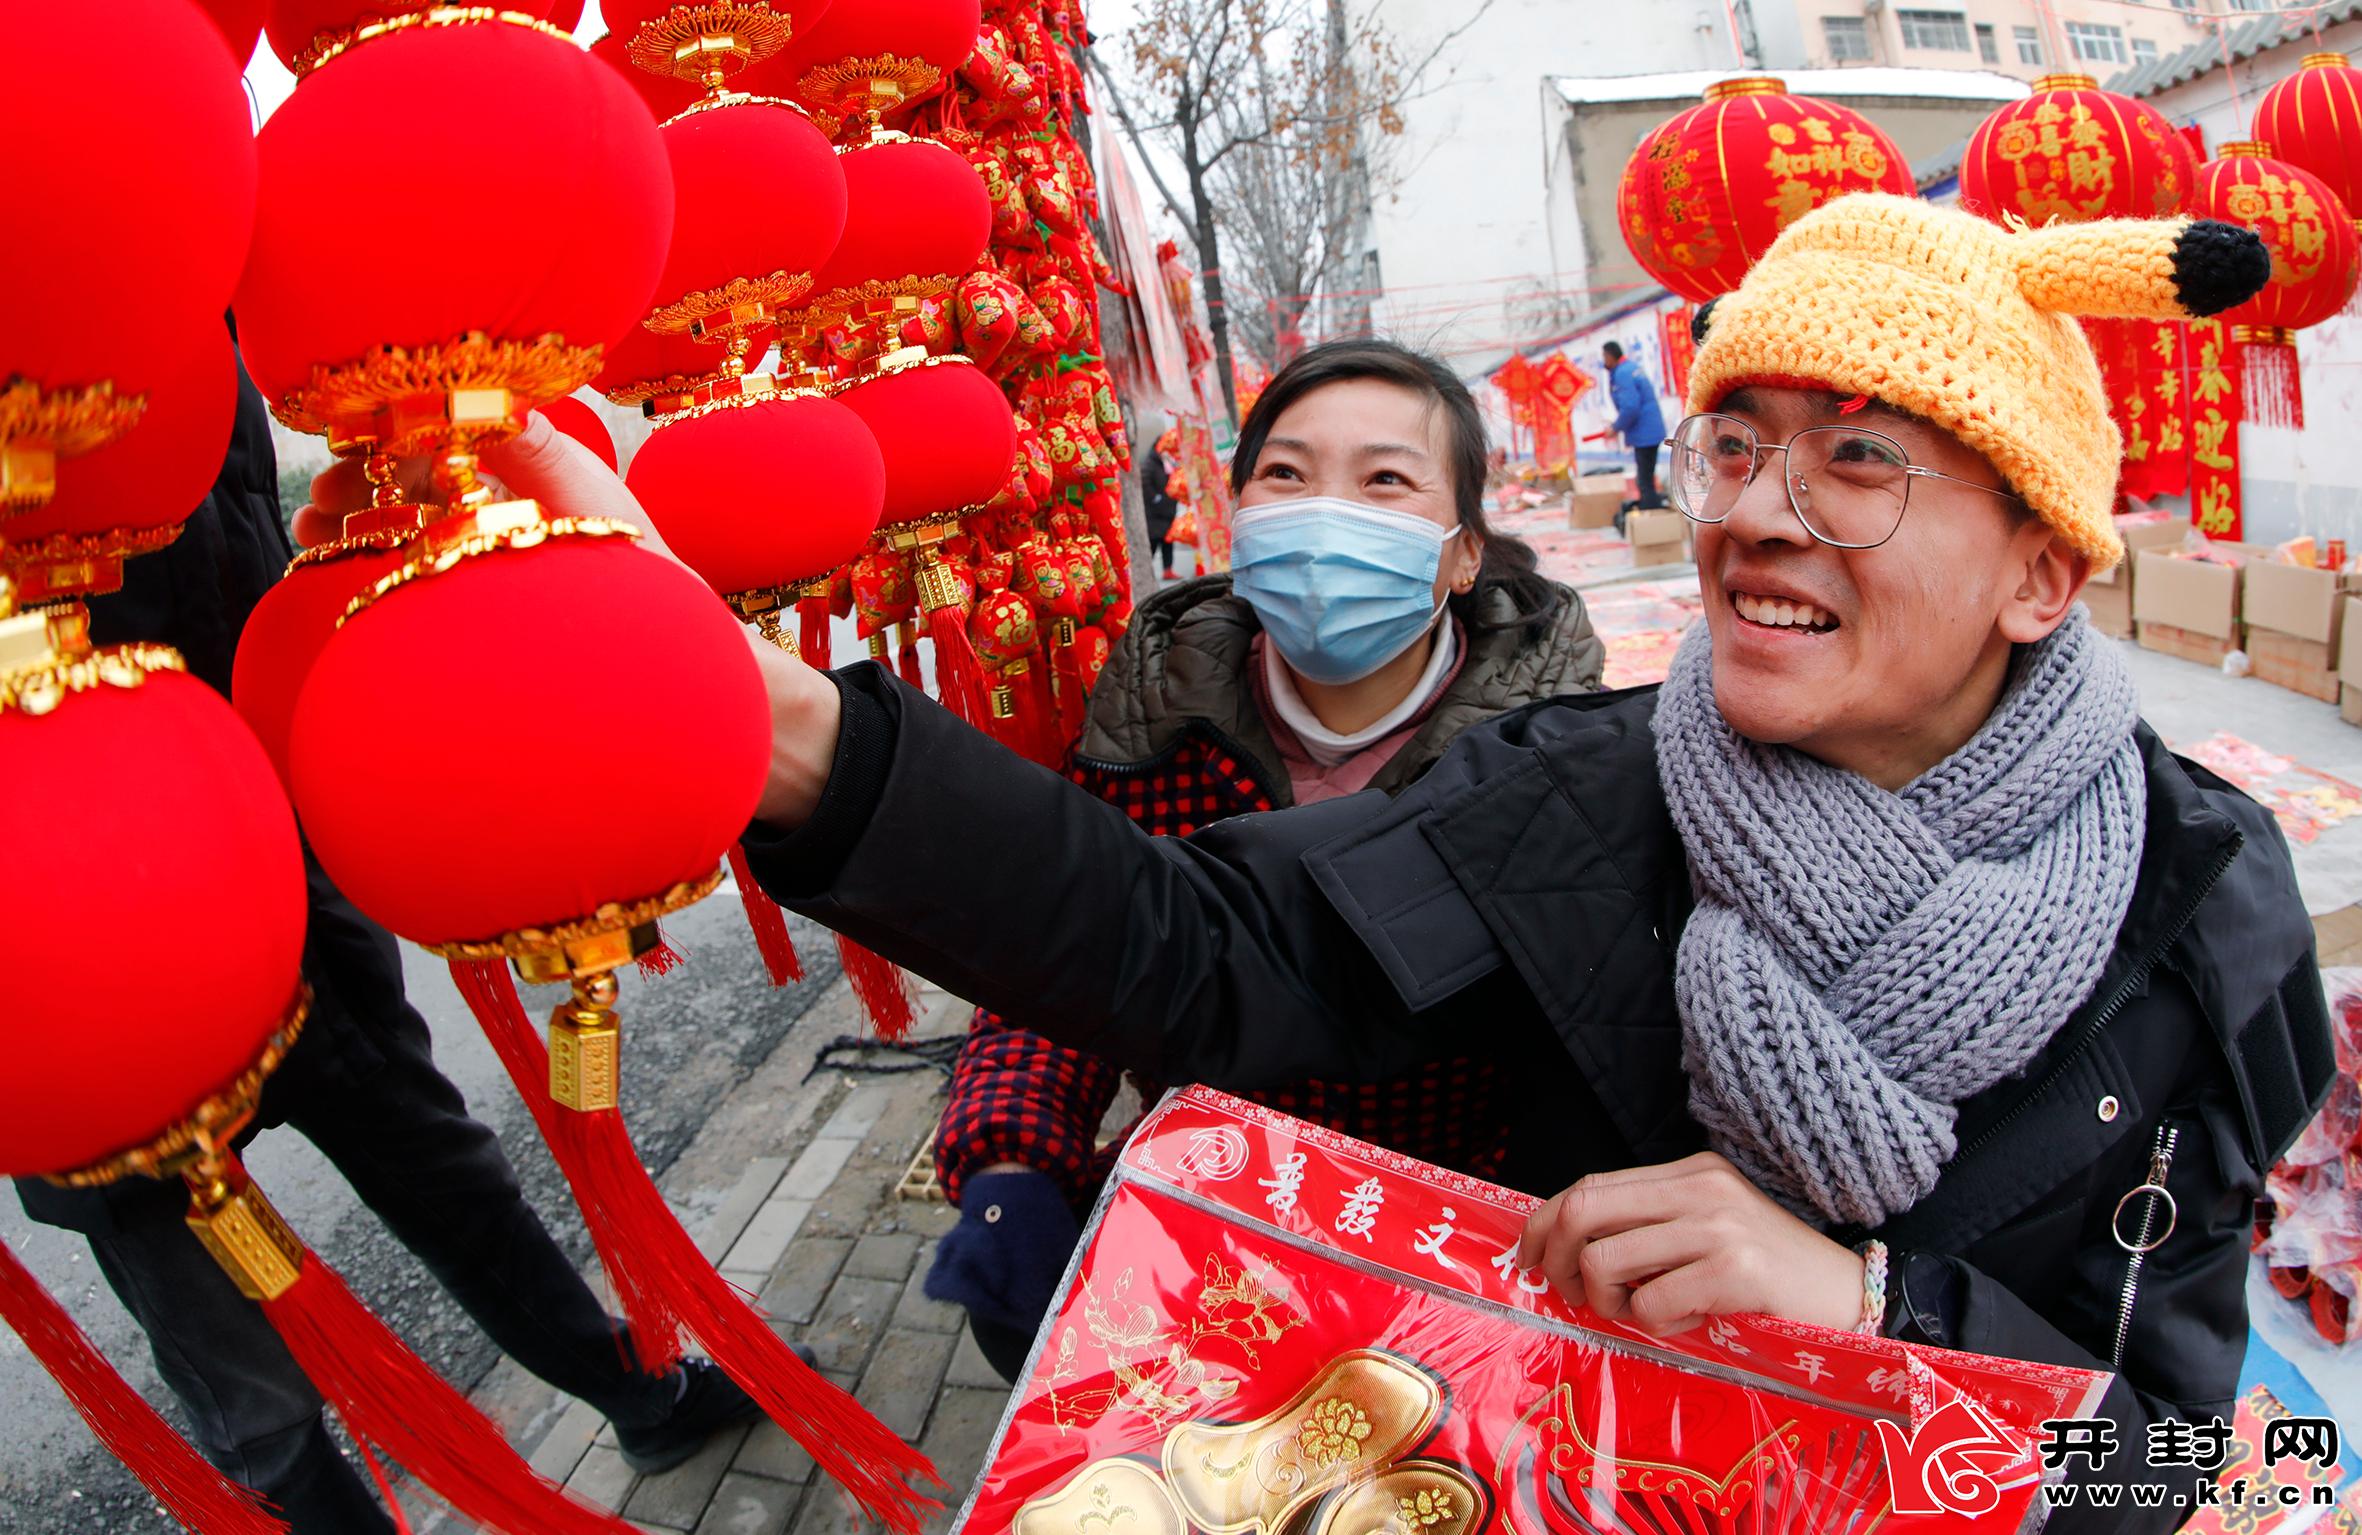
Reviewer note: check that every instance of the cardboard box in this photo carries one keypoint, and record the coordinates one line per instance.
(2301, 666)
(1658, 538)
(2289, 599)
(2111, 607)
(2191, 594)
(2349, 705)
(2349, 658)
(2138, 536)
(1595, 501)
(2188, 644)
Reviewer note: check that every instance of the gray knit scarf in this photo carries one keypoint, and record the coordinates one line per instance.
(1862, 961)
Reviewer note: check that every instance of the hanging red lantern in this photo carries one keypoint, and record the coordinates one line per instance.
(659, 373)
(917, 221)
(707, 41)
(665, 95)
(306, 33)
(338, 315)
(131, 207)
(295, 619)
(871, 57)
(578, 421)
(2316, 263)
(2313, 120)
(240, 22)
(132, 495)
(2071, 153)
(946, 432)
(1707, 192)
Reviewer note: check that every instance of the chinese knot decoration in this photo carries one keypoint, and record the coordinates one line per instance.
(2072, 152)
(1708, 191)
(2315, 256)
(2313, 121)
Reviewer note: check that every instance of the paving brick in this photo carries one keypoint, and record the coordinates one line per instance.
(920, 1314)
(801, 1281)
(678, 1497)
(754, 1186)
(957, 1438)
(765, 1239)
(750, 1505)
(883, 1255)
(568, 1440)
(903, 1377)
(602, 1477)
(769, 1452)
(970, 1368)
(861, 1110)
(817, 1168)
(851, 1321)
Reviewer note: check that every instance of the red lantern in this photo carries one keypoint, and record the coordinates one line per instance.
(764, 495)
(582, 423)
(305, 32)
(873, 56)
(337, 282)
(2072, 152)
(946, 432)
(651, 370)
(240, 22)
(133, 494)
(2313, 120)
(1707, 192)
(130, 210)
(707, 40)
(737, 261)
(666, 95)
(292, 623)
(917, 221)
(2316, 262)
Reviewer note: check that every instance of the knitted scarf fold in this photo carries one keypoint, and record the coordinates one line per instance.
(1860, 961)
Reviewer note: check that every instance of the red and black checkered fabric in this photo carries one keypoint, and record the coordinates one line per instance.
(1017, 1097)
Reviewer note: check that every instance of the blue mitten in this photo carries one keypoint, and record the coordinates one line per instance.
(1004, 1259)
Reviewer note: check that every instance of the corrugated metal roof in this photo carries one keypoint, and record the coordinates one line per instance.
(2260, 34)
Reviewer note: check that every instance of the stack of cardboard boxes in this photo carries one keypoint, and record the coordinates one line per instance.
(2110, 596)
(2187, 607)
(2291, 620)
(1659, 537)
(1595, 500)
(2295, 618)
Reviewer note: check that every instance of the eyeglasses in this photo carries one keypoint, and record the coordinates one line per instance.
(1849, 486)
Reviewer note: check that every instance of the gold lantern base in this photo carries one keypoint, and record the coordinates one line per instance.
(470, 392)
(331, 42)
(766, 608)
(66, 566)
(708, 43)
(46, 657)
(868, 87)
(38, 427)
(480, 529)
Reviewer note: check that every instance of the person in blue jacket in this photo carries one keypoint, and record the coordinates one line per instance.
(1638, 420)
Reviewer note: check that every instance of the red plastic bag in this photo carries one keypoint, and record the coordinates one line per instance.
(1275, 1327)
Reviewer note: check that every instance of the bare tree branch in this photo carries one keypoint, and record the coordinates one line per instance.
(1123, 115)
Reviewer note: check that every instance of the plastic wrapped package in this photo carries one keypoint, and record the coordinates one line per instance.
(1271, 1327)
(2311, 1231)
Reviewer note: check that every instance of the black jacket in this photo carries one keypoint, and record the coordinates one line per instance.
(1529, 891)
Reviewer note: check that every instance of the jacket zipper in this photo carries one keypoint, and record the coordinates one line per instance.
(2116, 1002)
(2137, 1251)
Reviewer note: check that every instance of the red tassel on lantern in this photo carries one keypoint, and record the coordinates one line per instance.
(879, 985)
(768, 922)
(2272, 390)
(630, 1215)
(192, 1491)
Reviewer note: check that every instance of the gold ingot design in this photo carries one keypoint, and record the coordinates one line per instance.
(585, 1059)
(1417, 1497)
(1107, 1497)
(1359, 1414)
(249, 1239)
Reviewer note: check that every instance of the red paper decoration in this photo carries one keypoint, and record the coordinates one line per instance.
(131, 204)
(763, 495)
(154, 475)
(2316, 261)
(444, 690)
(724, 233)
(2313, 120)
(582, 423)
(197, 903)
(2071, 152)
(1708, 192)
(946, 434)
(338, 274)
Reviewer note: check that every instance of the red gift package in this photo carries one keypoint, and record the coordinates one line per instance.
(1273, 1328)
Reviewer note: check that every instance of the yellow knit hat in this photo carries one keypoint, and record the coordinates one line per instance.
(1971, 326)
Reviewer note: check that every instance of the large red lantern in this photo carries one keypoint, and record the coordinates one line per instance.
(658, 372)
(338, 313)
(875, 56)
(1707, 192)
(240, 22)
(295, 619)
(665, 94)
(918, 219)
(2071, 153)
(131, 207)
(305, 33)
(946, 432)
(2313, 120)
(2316, 262)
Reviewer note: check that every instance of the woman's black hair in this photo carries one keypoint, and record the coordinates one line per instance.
(1509, 564)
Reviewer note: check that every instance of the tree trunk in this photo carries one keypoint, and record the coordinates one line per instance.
(1209, 256)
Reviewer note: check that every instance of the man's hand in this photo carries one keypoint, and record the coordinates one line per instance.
(1666, 1247)
(543, 464)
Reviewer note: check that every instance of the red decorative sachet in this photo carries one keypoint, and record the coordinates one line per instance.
(1273, 1327)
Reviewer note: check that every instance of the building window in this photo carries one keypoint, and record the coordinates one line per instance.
(2092, 42)
(2029, 45)
(2185, 5)
(1848, 38)
(1945, 31)
(1987, 49)
(2143, 51)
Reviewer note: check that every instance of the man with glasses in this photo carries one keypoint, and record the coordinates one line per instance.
(1881, 970)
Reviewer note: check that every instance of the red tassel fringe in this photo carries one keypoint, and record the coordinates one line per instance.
(908, 659)
(959, 676)
(2271, 385)
(191, 1490)
(812, 621)
(768, 921)
(388, 1395)
(657, 1271)
(880, 987)
(664, 959)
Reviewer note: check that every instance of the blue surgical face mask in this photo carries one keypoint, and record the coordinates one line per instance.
(1341, 587)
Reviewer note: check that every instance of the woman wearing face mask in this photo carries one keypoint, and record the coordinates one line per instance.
(1368, 618)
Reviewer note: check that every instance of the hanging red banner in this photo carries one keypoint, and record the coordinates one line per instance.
(2151, 410)
(2213, 368)
(1276, 1327)
(1680, 350)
